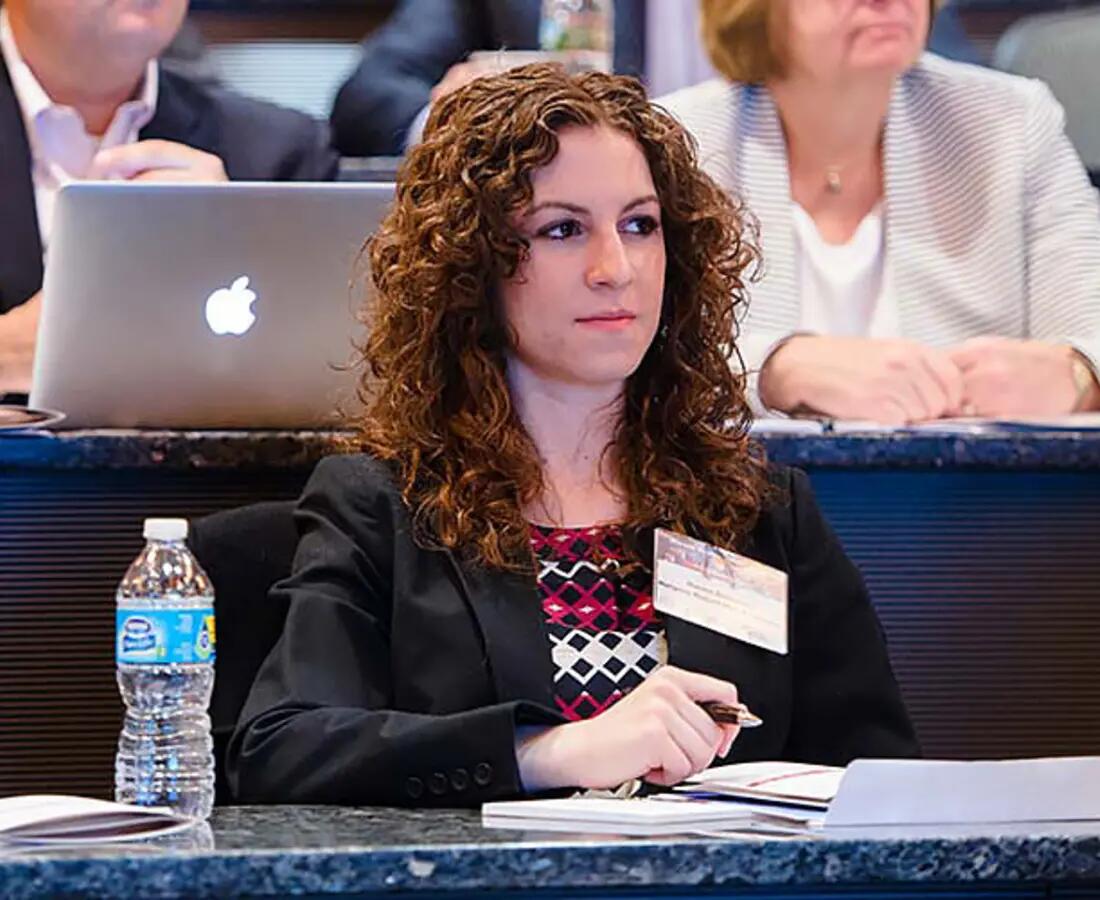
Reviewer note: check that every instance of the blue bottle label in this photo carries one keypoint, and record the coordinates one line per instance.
(164, 636)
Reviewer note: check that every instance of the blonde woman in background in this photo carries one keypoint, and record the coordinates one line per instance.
(931, 241)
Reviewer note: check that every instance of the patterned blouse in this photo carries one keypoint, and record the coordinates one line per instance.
(605, 636)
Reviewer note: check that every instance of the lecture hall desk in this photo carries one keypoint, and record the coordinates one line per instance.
(982, 554)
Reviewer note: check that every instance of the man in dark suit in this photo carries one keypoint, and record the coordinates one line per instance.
(81, 97)
(420, 54)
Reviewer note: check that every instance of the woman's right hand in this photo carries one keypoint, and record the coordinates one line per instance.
(894, 382)
(657, 732)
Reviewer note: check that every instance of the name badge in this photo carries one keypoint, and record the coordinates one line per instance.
(720, 590)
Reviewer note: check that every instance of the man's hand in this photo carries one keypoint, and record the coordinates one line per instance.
(156, 161)
(1007, 376)
(18, 330)
(894, 382)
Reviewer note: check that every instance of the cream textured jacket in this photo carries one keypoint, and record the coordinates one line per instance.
(992, 226)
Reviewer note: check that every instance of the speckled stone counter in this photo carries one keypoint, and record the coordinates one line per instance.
(282, 851)
(167, 450)
(1007, 451)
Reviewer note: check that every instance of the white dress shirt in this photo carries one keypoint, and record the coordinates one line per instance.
(844, 286)
(61, 148)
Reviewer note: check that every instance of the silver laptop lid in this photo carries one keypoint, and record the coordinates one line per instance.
(204, 306)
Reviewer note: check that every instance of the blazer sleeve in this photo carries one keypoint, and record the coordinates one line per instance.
(401, 63)
(755, 350)
(846, 702)
(1062, 232)
(318, 725)
(255, 140)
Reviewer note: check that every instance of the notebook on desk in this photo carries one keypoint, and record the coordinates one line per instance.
(204, 306)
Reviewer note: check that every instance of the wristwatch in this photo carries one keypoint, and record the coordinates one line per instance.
(1084, 379)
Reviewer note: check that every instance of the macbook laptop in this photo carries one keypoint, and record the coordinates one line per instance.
(204, 306)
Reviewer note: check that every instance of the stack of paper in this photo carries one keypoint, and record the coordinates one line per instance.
(760, 798)
(783, 799)
(56, 819)
(661, 814)
(770, 783)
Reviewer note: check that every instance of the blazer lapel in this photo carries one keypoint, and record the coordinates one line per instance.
(20, 244)
(508, 611)
(932, 203)
(902, 210)
(179, 116)
(760, 170)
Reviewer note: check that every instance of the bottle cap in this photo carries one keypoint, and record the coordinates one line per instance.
(165, 529)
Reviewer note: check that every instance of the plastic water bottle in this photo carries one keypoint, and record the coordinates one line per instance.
(579, 32)
(165, 653)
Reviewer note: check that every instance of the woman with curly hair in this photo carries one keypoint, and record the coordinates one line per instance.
(470, 611)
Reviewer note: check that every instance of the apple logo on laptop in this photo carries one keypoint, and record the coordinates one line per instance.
(229, 310)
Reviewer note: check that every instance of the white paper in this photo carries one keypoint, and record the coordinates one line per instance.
(55, 818)
(1073, 422)
(644, 811)
(787, 426)
(773, 780)
(949, 792)
(661, 814)
(971, 425)
(623, 828)
(759, 811)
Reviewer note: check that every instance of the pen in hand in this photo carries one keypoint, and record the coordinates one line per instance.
(731, 714)
(722, 713)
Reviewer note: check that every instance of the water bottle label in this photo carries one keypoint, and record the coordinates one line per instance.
(164, 636)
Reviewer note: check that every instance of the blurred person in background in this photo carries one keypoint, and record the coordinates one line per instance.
(187, 54)
(420, 55)
(931, 241)
(82, 96)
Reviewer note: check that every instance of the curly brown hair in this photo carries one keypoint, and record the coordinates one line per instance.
(438, 407)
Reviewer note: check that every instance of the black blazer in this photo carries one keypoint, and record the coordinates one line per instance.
(401, 674)
(256, 141)
(412, 51)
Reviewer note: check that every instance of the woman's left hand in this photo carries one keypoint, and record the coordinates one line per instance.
(1007, 376)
